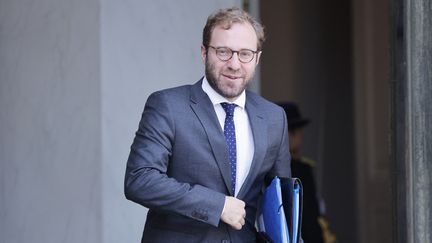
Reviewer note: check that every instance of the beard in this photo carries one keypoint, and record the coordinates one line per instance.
(229, 90)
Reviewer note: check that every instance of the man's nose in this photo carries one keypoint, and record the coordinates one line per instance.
(234, 63)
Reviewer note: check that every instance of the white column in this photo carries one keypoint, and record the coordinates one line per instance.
(50, 136)
(74, 77)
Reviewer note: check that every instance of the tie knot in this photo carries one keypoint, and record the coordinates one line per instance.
(229, 108)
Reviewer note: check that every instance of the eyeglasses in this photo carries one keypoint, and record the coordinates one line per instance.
(225, 54)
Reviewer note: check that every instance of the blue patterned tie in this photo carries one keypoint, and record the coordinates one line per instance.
(230, 137)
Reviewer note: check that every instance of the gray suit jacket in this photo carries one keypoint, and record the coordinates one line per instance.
(178, 166)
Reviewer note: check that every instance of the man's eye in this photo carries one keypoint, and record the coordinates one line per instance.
(223, 52)
(246, 54)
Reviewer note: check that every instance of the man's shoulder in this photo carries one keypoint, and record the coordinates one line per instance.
(262, 103)
(178, 90)
(175, 93)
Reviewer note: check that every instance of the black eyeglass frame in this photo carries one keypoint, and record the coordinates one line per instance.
(232, 53)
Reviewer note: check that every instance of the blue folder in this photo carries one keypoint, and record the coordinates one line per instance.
(280, 211)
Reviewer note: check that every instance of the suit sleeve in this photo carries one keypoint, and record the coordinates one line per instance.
(282, 165)
(146, 179)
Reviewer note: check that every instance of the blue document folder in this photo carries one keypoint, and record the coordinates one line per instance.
(280, 211)
(292, 202)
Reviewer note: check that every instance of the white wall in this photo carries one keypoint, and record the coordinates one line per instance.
(74, 77)
(50, 136)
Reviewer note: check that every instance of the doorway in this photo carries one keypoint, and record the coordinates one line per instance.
(332, 59)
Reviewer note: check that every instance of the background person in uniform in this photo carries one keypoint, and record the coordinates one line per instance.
(202, 152)
(302, 168)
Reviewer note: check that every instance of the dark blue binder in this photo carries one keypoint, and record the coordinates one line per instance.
(280, 211)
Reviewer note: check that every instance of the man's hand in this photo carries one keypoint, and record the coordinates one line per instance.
(234, 212)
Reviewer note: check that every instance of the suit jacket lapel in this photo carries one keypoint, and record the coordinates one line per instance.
(259, 131)
(203, 108)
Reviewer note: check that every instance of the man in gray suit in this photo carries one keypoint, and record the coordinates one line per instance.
(203, 152)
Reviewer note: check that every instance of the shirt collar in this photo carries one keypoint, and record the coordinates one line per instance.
(216, 98)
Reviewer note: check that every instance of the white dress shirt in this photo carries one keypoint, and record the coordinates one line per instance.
(244, 138)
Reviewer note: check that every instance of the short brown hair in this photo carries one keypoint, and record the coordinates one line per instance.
(227, 17)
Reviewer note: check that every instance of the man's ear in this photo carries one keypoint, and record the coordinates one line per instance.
(203, 53)
(258, 57)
